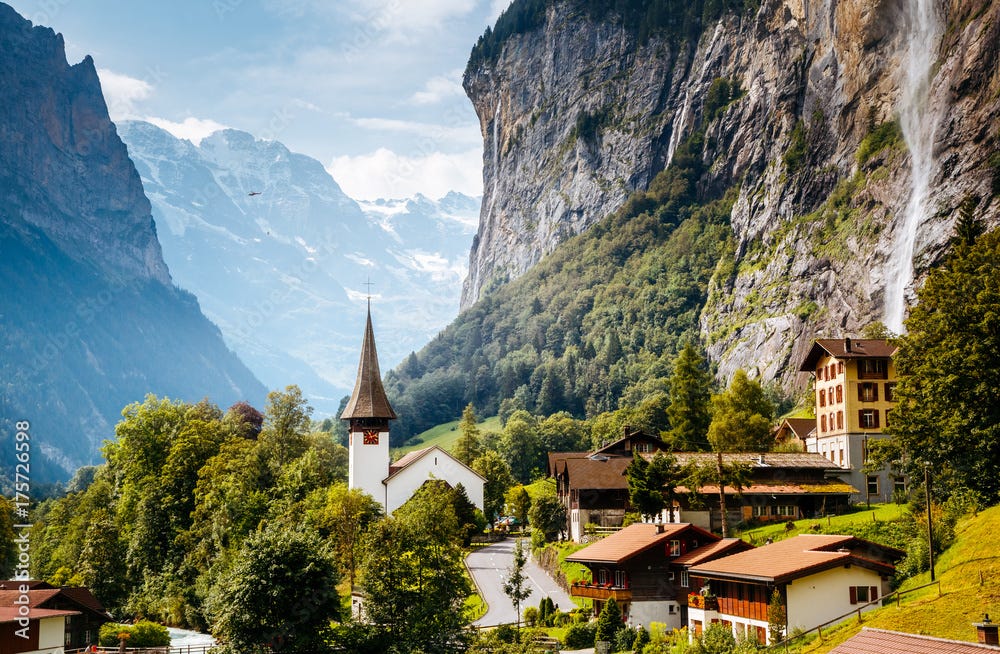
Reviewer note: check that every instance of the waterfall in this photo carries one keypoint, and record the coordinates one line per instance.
(677, 128)
(917, 126)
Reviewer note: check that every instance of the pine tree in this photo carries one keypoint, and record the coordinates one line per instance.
(690, 394)
(467, 447)
(609, 622)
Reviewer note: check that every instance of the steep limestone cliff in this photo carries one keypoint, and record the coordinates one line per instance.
(577, 113)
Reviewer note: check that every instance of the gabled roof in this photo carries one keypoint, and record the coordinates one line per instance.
(410, 458)
(800, 556)
(557, 461)
(632, 541)
(600, 473)
(35, 597)
(799, 426)
(368, 399)
(715, 550)
(880, 641)
(12, 613)
(627, 439)
(847, 348)
(43, 595)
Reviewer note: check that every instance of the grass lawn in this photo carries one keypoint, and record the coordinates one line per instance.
(969, 572)
(444, 436)
(779, 530)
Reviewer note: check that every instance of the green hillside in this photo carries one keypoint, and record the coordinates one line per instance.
(969, 572)
(444, 436)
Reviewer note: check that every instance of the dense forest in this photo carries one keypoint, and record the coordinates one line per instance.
(593, 326)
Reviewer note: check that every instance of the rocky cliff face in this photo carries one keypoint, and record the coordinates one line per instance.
(811, 141)
(90, 319)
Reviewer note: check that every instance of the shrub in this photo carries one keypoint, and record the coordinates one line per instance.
(142, 634)
(580, 635)
(623, 640)
(530, 616)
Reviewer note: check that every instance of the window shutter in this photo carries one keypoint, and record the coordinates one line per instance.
(861, 418)
(875, 392)
(873, 593)
(875, 413)
(861, 392)
(854, 595)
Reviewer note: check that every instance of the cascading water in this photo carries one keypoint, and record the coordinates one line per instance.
(917, 126)
(681, 119)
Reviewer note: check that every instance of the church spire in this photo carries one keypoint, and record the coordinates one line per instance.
(368, 399)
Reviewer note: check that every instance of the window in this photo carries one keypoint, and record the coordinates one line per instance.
(898, 485)
(760, 510)
(671, 608)
(786, 510)
(620, 579)
(820, 372)
(822, 397)
(868, 418)
(602, 576)
(868, 392)
(840, 367)
(840, 420)
(841, 457)
(685, 579)
(831, 371)
(863, 594)
(822, 423)
(840, 393)
(890, 392)
(873, 484)
(873, 368)
(643, 447)
(675, 548)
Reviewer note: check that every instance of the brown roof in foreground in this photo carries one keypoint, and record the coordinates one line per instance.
(632, 540)
(368, 399)
(797, 557)
(860, 348)
(11, 613)
(35, 597)
(715, 550)
(802, 460)
(880, 641)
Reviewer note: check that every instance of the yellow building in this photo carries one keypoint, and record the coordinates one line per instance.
(855, 381)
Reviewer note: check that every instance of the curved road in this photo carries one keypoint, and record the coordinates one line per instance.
(491, 565)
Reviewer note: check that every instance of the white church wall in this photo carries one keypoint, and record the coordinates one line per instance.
(368, 465)
(435, 464)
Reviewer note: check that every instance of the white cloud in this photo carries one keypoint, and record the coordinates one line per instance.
(458, 135)
(192, 129)
(439, 88)
(386, 174)
(406, 16)
(123, 93)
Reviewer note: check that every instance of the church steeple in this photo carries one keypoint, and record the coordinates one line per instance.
(368, 401)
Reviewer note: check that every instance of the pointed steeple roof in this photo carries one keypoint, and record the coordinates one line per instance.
(368, 399)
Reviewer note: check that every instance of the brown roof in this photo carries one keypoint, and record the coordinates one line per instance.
(557, 460)
(368, 399)
(11, 613)
(41, 593)
(715, 550)
(802, 460)
(630, 541)
(783, 487)
(35, 597)
(606, 473)
(797, 557)
(880, 641)
(799, 426)
(847, 348)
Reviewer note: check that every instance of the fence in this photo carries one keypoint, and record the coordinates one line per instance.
(884, 601)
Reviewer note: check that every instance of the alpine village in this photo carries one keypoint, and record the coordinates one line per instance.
(722, 373)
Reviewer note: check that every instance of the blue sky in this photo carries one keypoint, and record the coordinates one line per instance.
(371, 88)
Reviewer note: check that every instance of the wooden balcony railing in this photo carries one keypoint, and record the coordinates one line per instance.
(600, 591)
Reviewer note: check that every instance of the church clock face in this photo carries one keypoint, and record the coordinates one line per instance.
(371, 437)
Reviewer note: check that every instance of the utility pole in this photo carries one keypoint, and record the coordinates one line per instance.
(930, 526)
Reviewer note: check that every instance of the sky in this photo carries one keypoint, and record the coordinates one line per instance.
(370, 88)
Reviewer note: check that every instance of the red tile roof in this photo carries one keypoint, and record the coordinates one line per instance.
(880, 641)
(631, 541)
(860, 348)
(799, 557)
(715, 550)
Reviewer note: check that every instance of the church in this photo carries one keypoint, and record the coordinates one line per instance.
(368, 413)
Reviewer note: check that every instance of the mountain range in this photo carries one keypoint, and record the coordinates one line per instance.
(279, 256)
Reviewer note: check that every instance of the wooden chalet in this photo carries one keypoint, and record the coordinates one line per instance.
(819, 578)
(80, 613)
(795, 431)
(644, 568)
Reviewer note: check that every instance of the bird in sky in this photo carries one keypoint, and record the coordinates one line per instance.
(253, 193)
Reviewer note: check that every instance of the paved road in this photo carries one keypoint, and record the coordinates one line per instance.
(490, 567)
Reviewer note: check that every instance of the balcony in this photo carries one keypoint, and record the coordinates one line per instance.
(704, 602)
(600, 591)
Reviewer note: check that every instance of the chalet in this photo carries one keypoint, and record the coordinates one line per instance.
(820, 578)
(855, 381)
(781, 486)
(795, 431)
(36, 631)
(894, 642)
(640, 567)
(72, 611)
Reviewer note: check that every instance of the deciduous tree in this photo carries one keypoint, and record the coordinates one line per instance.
(741, 417)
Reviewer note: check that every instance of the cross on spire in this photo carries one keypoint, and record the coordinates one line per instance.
(369, 284)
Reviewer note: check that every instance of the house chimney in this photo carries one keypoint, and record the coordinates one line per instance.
(847, 344)
(660, 528)
(986, 631)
